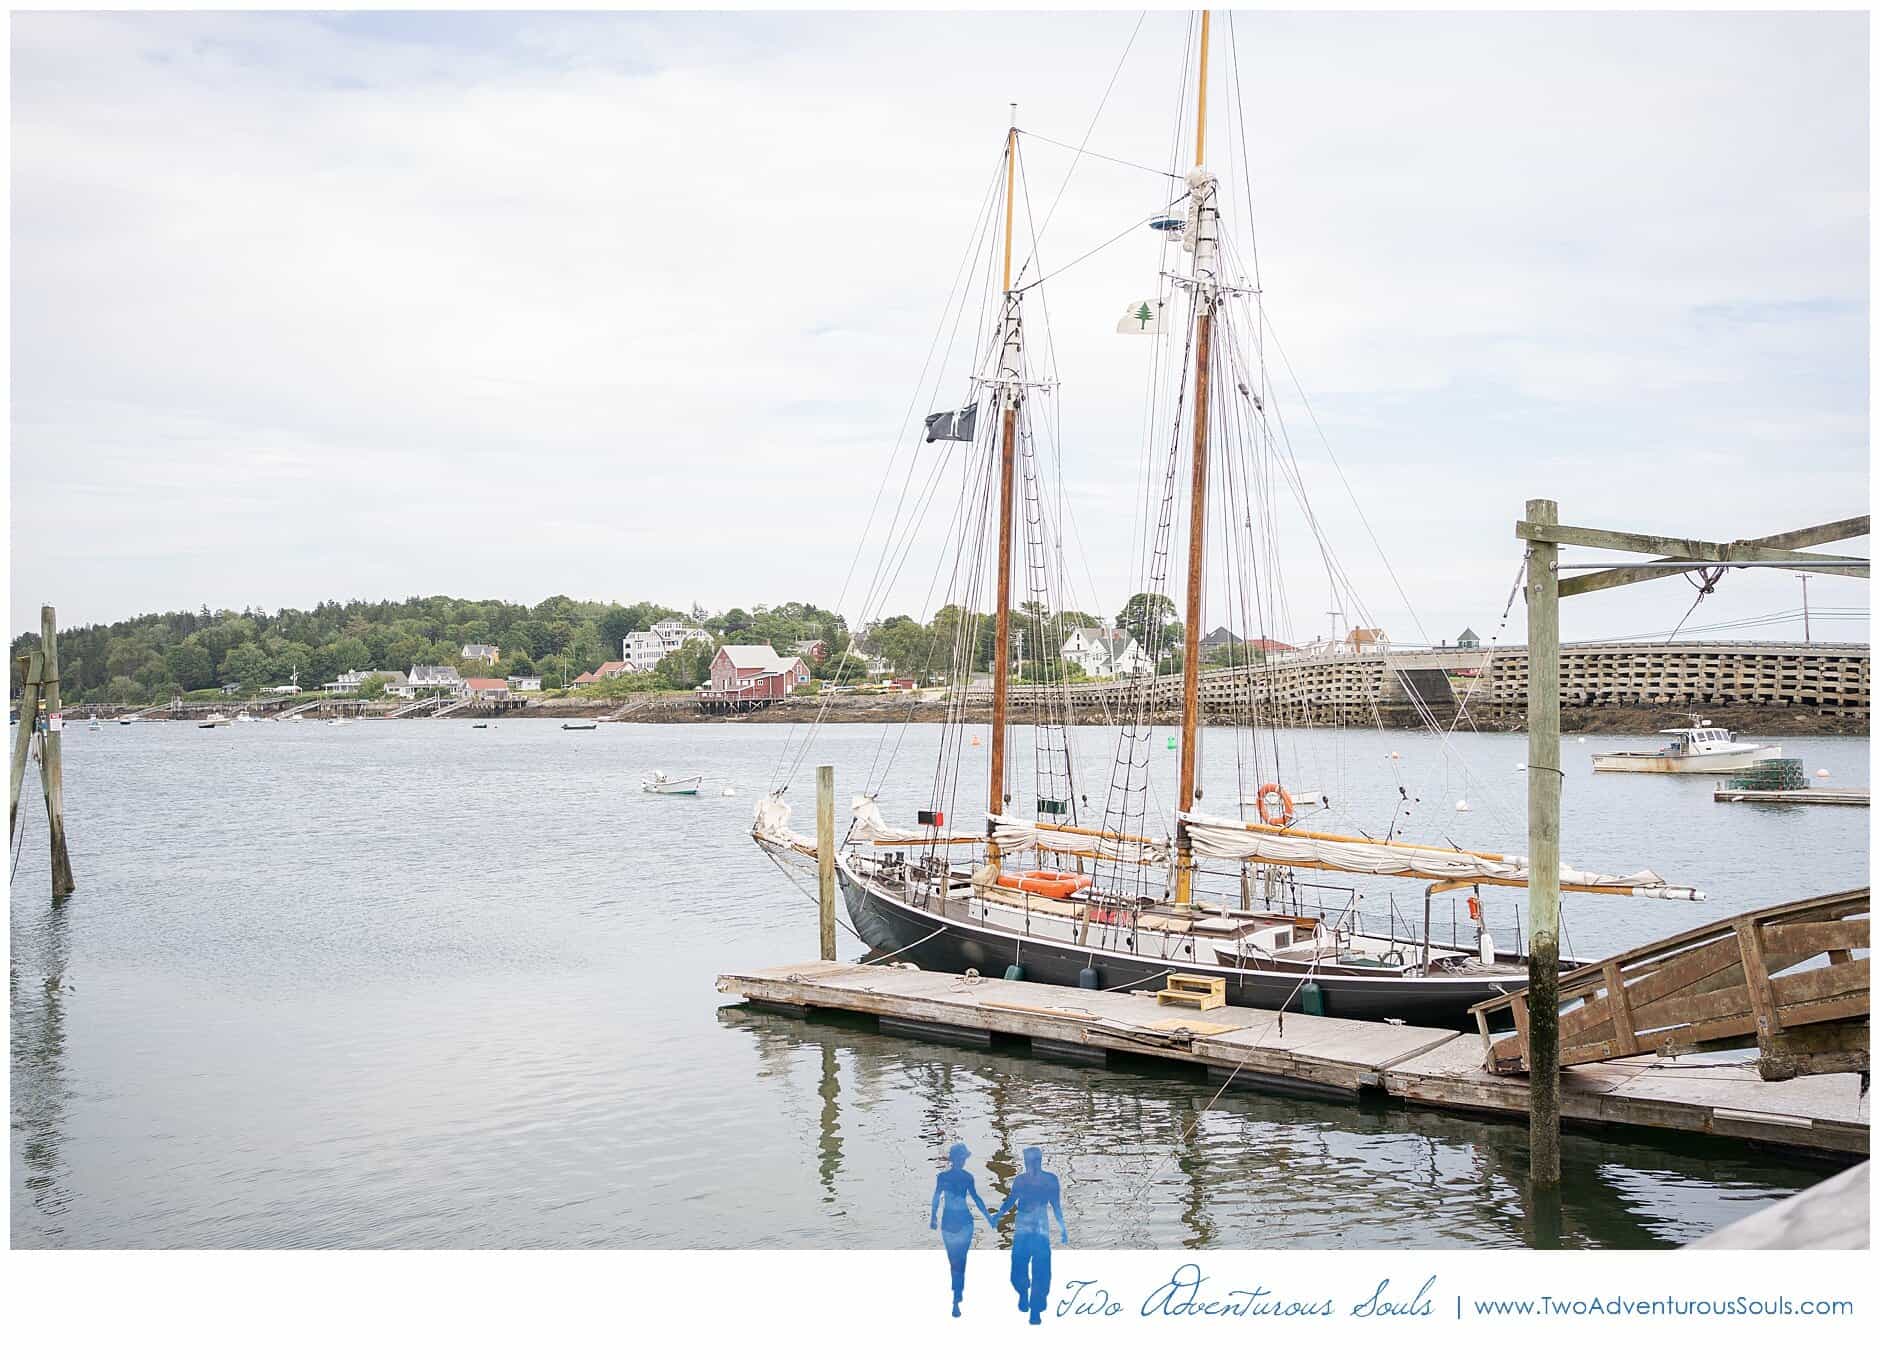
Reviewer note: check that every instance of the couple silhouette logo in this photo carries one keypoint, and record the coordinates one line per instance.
(1034, 1197)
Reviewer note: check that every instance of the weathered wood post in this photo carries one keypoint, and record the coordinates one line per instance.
(51, 769)
(826, 857)
(34, 664)
(1544, 780)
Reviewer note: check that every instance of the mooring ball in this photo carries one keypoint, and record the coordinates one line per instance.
(1821, 774)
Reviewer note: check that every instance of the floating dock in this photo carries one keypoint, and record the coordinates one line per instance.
(1321, 1056)
(1826, 797)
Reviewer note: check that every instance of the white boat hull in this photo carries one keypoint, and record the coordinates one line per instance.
(1707, 762)
(690, 785)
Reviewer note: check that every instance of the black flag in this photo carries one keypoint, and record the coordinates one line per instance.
(958, 424)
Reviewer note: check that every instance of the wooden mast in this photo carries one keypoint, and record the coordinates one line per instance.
(1202, 187)
(1008, 447)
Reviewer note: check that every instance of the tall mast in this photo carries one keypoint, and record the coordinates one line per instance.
(1205, 245)
(1011, 376)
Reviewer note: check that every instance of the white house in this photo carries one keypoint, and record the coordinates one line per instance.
(445, 678)
(522, 683)
(1106, 653)
(643, 651)
(348, 682)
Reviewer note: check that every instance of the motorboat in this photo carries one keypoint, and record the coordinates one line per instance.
(216, 720)
(580, 725)
(1703, 749)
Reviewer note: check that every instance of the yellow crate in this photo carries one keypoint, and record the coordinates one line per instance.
(1188, 989)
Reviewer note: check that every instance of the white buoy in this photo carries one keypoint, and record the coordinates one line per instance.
(1582, 741)
(730, 792)
(1821, 774)
(1462, 805)
(1519, 768)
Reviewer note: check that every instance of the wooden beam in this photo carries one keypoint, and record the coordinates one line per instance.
(29, 721)
(1628, 576)
(1694, 549)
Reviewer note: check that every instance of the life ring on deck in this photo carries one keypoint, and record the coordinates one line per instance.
(1285, 803)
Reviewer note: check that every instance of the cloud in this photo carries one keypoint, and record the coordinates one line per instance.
(634, 306)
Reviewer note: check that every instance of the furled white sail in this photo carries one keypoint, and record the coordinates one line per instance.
(773, 826)
(1014, 834)
(1215, 838)
(870, 825)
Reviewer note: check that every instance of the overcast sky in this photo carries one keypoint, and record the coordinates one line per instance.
(632, 307)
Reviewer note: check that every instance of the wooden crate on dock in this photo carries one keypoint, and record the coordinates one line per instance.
(1188, 989)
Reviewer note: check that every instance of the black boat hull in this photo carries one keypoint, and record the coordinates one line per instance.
(946, 945)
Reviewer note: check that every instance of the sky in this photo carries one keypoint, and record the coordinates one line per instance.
(639, 306)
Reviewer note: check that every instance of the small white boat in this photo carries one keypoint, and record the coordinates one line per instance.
(245, 716)
(580, 725)
(128, 719)
(292, 717)
(216, 720)
(1691, 750)
(661, 782)
(339, 722)
(95, 725)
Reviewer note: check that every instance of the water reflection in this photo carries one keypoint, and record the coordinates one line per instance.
(37, 986)
(1151, 1157)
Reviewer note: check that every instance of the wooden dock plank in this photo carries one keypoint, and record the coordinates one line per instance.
(1336, 1057)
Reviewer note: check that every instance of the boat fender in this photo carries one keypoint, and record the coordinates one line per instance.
(1487, 953)
(1312, 999)
(1014, 972)
(1285, 805)
(1087, 979)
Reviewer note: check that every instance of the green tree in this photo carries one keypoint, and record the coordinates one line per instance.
(1151, 620)
(190, 665)
(372, 687)
(247, 665)
(614, 625)
(906, 646)
(687, 668)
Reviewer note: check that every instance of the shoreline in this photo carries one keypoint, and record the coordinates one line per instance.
(1604, 720)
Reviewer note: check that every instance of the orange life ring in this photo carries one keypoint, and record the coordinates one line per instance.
(1285, 802)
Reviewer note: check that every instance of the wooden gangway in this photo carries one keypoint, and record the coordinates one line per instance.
(1734, 984)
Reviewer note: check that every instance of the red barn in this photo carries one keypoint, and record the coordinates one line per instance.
(752, 674)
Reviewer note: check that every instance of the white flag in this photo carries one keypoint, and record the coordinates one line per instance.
(1142, 318)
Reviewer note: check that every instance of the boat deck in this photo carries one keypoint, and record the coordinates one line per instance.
(1319, 1055)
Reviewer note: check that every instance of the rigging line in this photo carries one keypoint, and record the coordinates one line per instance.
(1083, 145)
(1339, 467)
(1135, 225)
(1098, 155)
(1706, 583)
(976, 240)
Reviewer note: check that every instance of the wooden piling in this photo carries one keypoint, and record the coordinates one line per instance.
(826, 857)
(51, 768)
(34, 664)
(1544, 780)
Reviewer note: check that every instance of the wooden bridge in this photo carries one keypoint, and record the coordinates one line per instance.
(1493, 682)
(1735, 983)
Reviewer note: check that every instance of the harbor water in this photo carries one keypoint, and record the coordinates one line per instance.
(419, 984)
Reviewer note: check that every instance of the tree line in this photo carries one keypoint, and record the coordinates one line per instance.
(154, 657)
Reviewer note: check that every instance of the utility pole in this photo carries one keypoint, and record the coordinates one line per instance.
(1544, 535)
(1806, 635)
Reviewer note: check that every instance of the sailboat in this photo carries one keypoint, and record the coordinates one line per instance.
(1069, 897)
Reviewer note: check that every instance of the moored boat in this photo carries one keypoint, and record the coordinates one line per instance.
(661, 782)
(1116, 885)
(1703, 749)
(216, 720)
